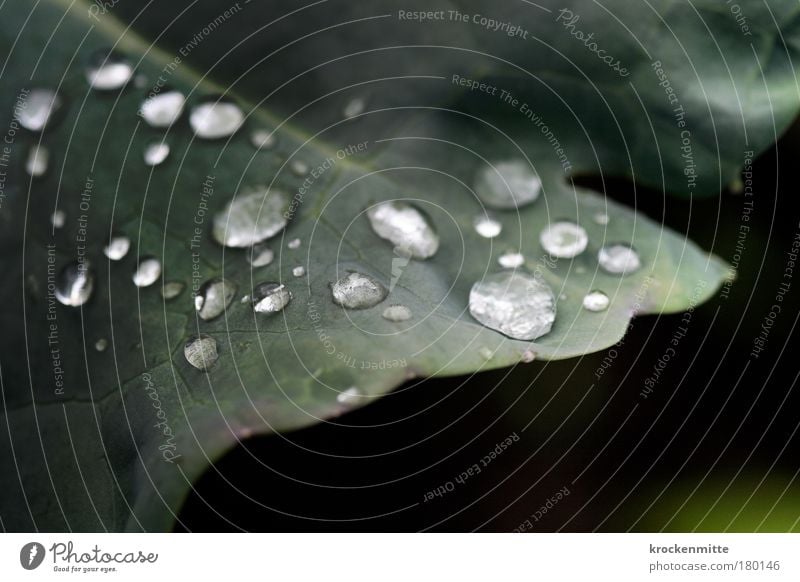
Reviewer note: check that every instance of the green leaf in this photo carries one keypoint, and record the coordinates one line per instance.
(135, 425)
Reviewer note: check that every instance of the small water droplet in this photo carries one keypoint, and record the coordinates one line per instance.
(75, 284)
(38, 160)
(263, 139)
(108, 72)
(513, 303)
(155, 153)
(511, 260)
(299, 271)
(486, 353)
(601, 218)
(40, 106)
(172, 289)
(564, 239)
(148, 272)
(254, 215)
(406, 227)
(595, 301)
(117, 248)
(214, 119)
(294, 243)
(163, 109)
(358, 291)
(270, 298)
(201, 352)
(487, 226)
(58, 219)
(101, 345)
(213, 298)
(528, 356)
(140, 81)
(619, 259)
(511, 184)
(244, 299)
(354, 107)
(299, 168)
(397, 313)
(260, 256)
(349, 396)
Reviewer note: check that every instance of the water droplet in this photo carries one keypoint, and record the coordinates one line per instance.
(270, 298)
(263, 139)
(299, 271)
(140, 81)
(510, 184)
(487, 226)
(108, 72)
(349, 396)
(260, 256)
(101, 345)
(201, 352)
(172, 289)
(213, 298)
(528, 356)
(40, 106)
(354, 107)
(215, 119)
(601, 218)
(513, 303)
(58, 219)
(294, 243)
(397, 313)
(299, 168)
(406, 227)
(595, 301)
(75, 284)
(37, 162)
(163, 109)
(511, 260)
(148, 272)
(155, 153)
(254, 215)
(619, 259)
(358, 291)
(117, 248)
(245, 299)
(486, 353)
(564, 239)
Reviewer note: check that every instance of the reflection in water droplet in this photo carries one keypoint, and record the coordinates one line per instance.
(108, 72)
(201, 352)
(263, 139)
(513, 303)
(215, 119)
(354, 107)
(163, 109)
(260, 255)
(511, 260)
(213, 298)
(39, 107)
(38, 160)
(270, 298)
(358, 291)
(299, 271)
(619, 259)
(487, 226)
(58, 219)
(75, 284)
(148, 272)
(117, 247)
(155, 153)
(254, 215)
(349, 396)
(406, 227)
(299, 168)
(294, 243)
(595, 301)
(172, 289)
(101, 345)
(397, 313)
(528, 356)
(601, 218)
(511, 184)
(564, 239)
(486, 353)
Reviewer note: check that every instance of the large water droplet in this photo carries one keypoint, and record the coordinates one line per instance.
(75, 284)
(163, 109)
(513, 303)
(108, 72)
(155, 153)
(148, 272)
(117, 248)
(260, 256)
(406, 227)
(213, 298)
(201, 352)
(354, 107)
(511, 184)
(270, 298)
(172, 289)
(214, 119)
(263, 139)
(564, 239)
(487, 226)
(397, 313)
(38, 160)
(255, 215)
(511, 260)
(358, 291)
(595, 301)
(40, 106)
(619, 259)
(299, 271)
